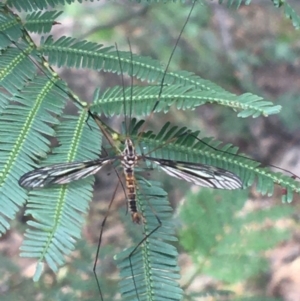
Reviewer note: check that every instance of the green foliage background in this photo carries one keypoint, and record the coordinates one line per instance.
(27, 113)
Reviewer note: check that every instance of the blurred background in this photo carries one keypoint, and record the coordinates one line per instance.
(253, 49)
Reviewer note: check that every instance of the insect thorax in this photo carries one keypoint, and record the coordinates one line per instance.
(130, 157)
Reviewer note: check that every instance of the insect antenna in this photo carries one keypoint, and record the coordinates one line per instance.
(131, 86)
(168, 64)
(123, 91)
(130, 193)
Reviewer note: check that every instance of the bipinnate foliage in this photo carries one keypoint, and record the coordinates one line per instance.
(223, 243)
(32, 100)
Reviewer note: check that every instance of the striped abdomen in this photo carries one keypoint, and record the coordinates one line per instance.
(129, 161)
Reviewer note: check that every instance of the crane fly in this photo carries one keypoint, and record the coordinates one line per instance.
(196, 173)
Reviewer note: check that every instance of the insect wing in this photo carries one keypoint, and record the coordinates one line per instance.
(61, 173)
(200, 174)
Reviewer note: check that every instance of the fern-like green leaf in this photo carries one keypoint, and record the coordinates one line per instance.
(58, 215)
(142, 99)
(22, 129)
(16, 68)
(41, 22)
(187, 91)
(28, 5)
(69, 52)
(289, 12)
(86, 54)
(152, 271)
(10, 28)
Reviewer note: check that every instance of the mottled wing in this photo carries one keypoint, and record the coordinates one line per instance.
(61, 173)
(199, 174)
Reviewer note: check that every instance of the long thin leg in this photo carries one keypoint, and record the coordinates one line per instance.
(100, 240)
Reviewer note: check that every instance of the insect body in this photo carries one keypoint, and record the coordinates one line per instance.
(128, 162)
(197, 173)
